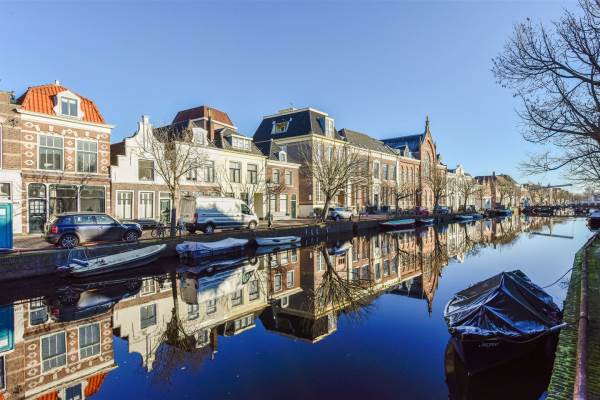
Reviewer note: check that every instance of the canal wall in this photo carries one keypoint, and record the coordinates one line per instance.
(19, 265)
(563, 380)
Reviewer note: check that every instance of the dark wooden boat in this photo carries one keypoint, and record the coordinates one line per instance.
(500, 319)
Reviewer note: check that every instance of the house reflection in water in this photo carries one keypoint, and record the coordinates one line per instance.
(46, 358)
(49, 351)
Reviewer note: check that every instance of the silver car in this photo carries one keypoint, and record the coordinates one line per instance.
(339, 213)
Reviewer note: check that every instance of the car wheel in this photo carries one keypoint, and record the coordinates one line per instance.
(337, 218)
(131, 236)
(209, 229)
(68, 241)
(252, 225)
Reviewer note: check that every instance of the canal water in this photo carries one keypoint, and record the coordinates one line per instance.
(357, 317)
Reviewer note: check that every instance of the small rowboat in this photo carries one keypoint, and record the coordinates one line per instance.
(114, 262)
(399, 223)
(426, 221)
(209, 249)
(274, 241)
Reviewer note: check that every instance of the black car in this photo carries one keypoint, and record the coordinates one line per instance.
(71, 229)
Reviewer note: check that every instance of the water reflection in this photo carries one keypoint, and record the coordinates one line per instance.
(57, 335)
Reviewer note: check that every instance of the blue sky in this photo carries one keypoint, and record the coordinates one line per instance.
(376, 67)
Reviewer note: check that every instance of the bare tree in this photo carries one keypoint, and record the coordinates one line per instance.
(333, 168)
(466, 188)
(556, 74)
(402, 190)
(175, 153)
(437, 180)
(505, 190)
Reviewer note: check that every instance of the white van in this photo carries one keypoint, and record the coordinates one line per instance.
(219, 213)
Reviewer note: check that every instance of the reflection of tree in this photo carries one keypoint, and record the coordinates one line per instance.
(339, 290)
(176, 347)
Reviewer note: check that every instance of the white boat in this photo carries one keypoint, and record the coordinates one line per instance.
(113, 262)
(274, 241)
(426, 221)
(262, 250)
(207, 249)
(399, 223)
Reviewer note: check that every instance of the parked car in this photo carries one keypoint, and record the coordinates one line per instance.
(145, 223)
(71, 229)
(422, 211)
(339, 213)
(441, 210)
(220, 213)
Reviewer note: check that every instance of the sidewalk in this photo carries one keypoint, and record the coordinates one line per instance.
(37, 242)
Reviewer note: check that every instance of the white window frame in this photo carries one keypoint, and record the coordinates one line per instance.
(147, 305)
(289, 283)
(376, 170)
(287, 174)
(74, 100)
(140, 202)
(277, 287)
(62, 160)
(99, 344)
(144, 287)
(77, 141)
(117, 192)
(44, 370)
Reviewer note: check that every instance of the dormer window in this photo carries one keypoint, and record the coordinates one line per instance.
(329, 127)
(280, 127)
(283, 156)
(68, 107)
(68, 104)
(239, 143)
(199, 136)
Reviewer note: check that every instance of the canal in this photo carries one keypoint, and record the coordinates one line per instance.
(352, 318)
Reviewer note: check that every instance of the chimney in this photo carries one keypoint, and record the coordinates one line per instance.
(56, 82)
(211, 126)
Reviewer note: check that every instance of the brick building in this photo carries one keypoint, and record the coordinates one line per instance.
(11, 185)
(63, 152)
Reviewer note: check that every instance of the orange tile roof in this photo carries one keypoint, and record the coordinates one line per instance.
(41, 99)
(203, 112)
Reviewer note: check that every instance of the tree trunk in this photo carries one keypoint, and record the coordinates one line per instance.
(173, 230)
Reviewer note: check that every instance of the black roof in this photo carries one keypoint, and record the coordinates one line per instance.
(413, 142)
(301, 122)
(223, 141)
(270, 149)
(365, 141)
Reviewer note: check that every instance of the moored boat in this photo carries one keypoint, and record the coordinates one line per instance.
(425, 221)
(398, 223)
(112, 263)
(464, 217)
(500, 319)
(594, 219)
(209, 249)
(275, 241)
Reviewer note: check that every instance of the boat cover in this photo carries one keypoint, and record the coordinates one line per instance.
(218, 246)
(505, 305)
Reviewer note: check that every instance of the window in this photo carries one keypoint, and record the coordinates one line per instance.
(146, 208)
(285, 301)
(125, 205)
(277, 283)
(51, 153)
(5, 190)
(276, 176)
(89, 340)
(394, 172)
(376, 169)
(280, 127)
(239, 143)
(283, 156)
(289, 279)
(386, 172)
(68, 107)
(386, 268)
(364, 272)
(294, 255)
(148, 287)
(192, 175)
(377, 271)
(235, 170)
(288, 178)
(253, 290)
(237, 298)
(104, 220)
(320, 262)
(209, 171)
(87, 156)
(199, 136)
(193, 311)
(283, 202)
(91, 199)
(146, 170)
(244, 322)
(329, 127)
(54, 351)
(252, 173)
(73, 392)
(38, 313)
(211, 306)
(147, 315)
(85, 220)
(2, 374)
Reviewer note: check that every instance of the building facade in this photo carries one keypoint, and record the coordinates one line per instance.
(11, 186)
(64, 154)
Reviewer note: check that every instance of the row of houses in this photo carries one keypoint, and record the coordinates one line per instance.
(56, 156)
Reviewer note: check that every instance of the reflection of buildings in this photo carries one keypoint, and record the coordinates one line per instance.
(43, 359)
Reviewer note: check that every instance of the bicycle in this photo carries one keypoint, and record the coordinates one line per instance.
(161, 230)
